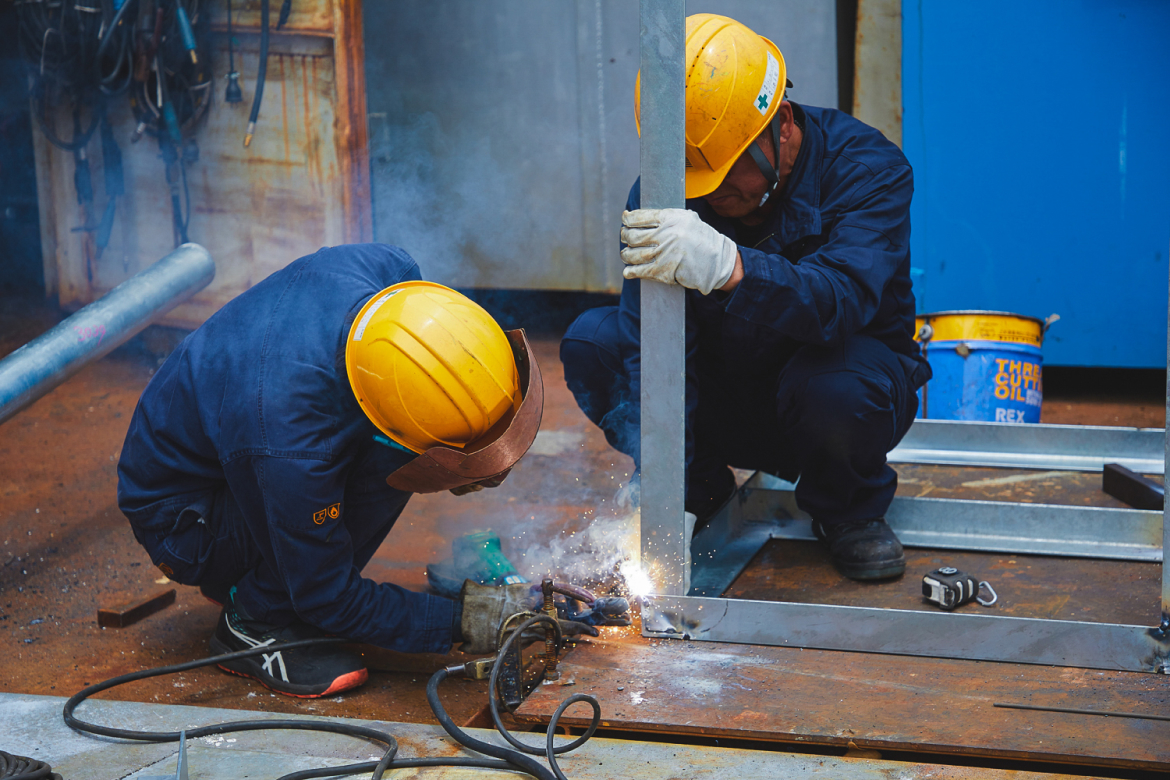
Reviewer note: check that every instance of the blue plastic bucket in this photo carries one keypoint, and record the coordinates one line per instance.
(987, 367)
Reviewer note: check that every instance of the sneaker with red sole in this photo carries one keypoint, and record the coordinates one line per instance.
(305, 672)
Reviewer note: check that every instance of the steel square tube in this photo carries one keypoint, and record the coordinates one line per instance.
(663, 434)
(1038, 446)
(906, 632)
(987, 526)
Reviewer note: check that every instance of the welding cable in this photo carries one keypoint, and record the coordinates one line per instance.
(113, 30)
(548, 750)
(77, 724)
(517, 759)
(261, 75)
(388, 761)
(23, 768)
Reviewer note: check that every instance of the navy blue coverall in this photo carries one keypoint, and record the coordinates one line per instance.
(808, 367)
(249, 462)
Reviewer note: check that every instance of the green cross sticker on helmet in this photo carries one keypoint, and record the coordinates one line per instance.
(768, 88)
(734, 84)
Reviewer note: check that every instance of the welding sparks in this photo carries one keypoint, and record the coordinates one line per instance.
(637, 579)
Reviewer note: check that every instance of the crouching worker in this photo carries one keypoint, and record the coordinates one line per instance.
(794, 247)
(274, 449)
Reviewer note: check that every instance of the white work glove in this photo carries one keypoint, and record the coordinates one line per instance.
(676, 247)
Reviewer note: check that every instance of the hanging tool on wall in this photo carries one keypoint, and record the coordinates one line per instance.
(262, 73)
(79, 57)
(171, 91)
(233, 93)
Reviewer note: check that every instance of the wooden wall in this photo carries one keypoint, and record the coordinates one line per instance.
(302, 184)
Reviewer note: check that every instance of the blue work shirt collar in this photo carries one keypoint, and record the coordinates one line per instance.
(797, 212)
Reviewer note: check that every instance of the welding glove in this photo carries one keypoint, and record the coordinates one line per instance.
(487, 607)
(676, 247)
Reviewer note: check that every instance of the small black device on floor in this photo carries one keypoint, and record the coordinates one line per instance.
(950, 588)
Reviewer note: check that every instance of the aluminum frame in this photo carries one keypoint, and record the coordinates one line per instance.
(718, 551)
(1033, 446)
(663, 433)
(765, 508)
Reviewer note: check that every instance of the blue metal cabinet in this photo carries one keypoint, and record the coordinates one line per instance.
(1039, 137)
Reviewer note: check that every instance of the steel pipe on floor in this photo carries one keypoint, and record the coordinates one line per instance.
(99, 328)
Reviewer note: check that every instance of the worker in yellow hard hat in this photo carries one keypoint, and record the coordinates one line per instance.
(794, 247)
(275, 448)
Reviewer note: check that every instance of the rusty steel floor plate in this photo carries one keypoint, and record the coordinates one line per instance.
(892, 703)
(66, 551)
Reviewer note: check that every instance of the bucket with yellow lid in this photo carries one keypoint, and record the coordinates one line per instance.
(987, 366)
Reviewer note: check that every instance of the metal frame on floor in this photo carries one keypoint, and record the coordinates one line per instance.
(761, 512)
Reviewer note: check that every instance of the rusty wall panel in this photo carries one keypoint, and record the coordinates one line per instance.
(298, 187)
(877, 73)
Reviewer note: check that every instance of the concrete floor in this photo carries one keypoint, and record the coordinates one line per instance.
(31, 726)
(67, 551)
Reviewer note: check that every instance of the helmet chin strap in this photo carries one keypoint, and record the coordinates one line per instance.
(771, 172)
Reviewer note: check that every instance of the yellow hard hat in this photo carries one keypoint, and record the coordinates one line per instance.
(735, 80)
(430, 367)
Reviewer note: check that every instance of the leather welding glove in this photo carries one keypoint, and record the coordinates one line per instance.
(486, 607)
(676, 247)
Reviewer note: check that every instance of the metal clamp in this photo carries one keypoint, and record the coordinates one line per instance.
(994, 596)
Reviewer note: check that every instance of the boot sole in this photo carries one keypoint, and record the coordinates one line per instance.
(879, 570)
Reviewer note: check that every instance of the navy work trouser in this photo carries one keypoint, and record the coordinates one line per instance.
(829, 417)
(206, 540)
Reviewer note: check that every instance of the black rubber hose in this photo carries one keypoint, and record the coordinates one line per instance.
(549, 749)
(23, 768)
(388, 761)
(109, 34)
(221, 728)
(494, 696)
(513, 757)
(261, 74)
(399, 763)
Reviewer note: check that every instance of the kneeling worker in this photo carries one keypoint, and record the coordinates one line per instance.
(795, 247)
(275, 448)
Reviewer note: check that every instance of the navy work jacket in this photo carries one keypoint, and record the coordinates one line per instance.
(832, 260)
(258, 399)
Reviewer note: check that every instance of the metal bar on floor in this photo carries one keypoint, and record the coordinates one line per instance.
(907, 632)
(664, 539)
(765, 508)
(1031, 446)
(102, 326)
(989, 526)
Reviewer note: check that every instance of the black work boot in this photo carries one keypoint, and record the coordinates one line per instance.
(306, 672)
(863, 550)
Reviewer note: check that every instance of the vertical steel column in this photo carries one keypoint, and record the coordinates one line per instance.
(1165, 624)
(662, 156)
